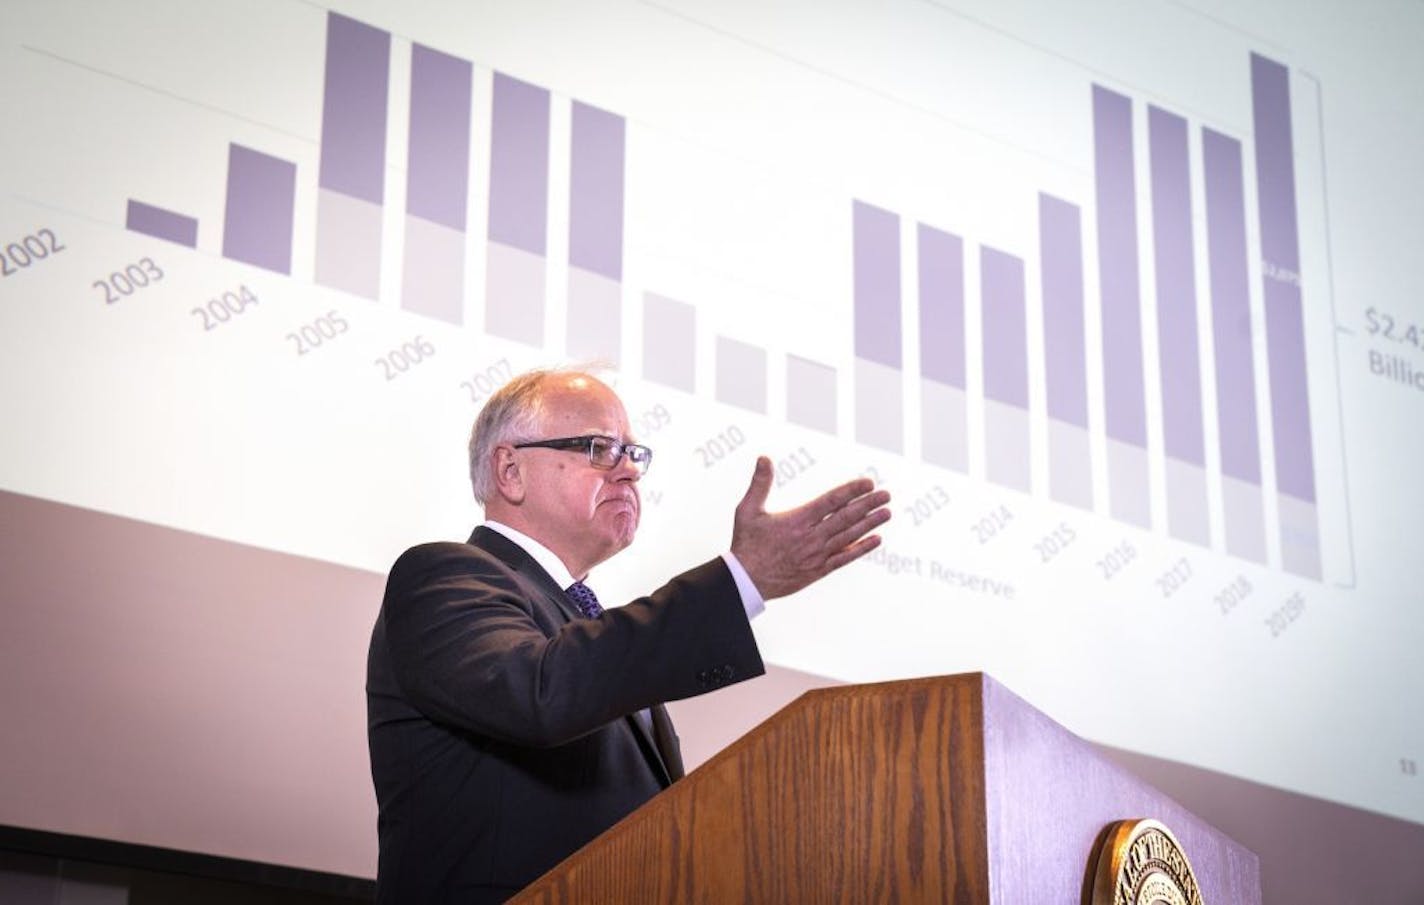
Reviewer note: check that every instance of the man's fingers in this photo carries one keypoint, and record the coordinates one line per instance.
(805, 544)
(852, 530)
(844, 518)
(858, 507)
(760, 486)
(853, 552)
(836, 498)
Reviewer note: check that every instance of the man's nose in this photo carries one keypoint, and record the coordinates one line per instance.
(625, 471)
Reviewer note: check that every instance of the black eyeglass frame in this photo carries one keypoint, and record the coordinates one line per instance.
(640, 455)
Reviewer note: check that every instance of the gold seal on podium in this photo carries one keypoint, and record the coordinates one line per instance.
(1141, 863)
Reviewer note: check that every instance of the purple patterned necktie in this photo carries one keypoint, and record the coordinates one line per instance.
(583, 597)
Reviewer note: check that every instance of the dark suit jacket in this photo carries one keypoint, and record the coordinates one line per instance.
(498, 720)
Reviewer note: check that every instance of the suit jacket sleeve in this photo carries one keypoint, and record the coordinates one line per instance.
(478, 645)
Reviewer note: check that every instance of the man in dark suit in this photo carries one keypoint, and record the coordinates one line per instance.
(510, 718)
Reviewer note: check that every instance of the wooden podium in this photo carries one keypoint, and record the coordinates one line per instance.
(948, 789)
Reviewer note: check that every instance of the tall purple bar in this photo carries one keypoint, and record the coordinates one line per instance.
(1005, 333)
(1129, 494)
(1188, 512)
(518, 210)
(877, 285)
(879, 396)
(941, 273)
(596, 234)
(351, 177)
(438, 175)
(257, 220)
(437, 184)
(519, 165)
(1242, 503)
(596, 191)
(161, 223)
(1285, 324)
(1070, 471)
(943, 407)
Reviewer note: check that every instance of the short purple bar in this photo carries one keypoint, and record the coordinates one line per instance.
(877, 284)
(1060, 242)
(596, 191)
(162, 224)
(941, 264)
(1280, 267)
(1005, 330)
(353, 118)
(257, 223)
(1231, 307)
(438, 178)
(519, 165)
(1177, 343)
(1123, 390)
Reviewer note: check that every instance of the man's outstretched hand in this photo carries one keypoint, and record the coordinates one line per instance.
(783, 552)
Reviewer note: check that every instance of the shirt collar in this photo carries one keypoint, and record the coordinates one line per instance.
(541, 554)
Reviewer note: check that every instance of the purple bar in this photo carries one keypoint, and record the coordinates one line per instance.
(1231, 307)
(162, 224)
(1176, 287)
(941, 261)
(353, 117)
(596, 192)
(519, 165)
(1064, 334)
(877, 285)
(1280, 266)
(1125, 398)
(257, 224)
(438, 178)
(1005, 331)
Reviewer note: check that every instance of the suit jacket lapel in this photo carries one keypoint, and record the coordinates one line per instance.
(514, 556)
(660, 743)
(667, 743)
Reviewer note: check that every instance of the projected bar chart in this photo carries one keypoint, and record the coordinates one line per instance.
(437, 185)
(1070, 469)
(1285, 326)
(1242, 503)
(944, 415)
(1178, 350)
(162, 224)
(518, 211)
(258, 220)
(810, 394)
(669, 342)
(1006, 429)
(1129, 494)
(1172, 250)
(741, 374)
(353, 157)
(279, 282)
(879, 394)
(257, 223)
(596, 235)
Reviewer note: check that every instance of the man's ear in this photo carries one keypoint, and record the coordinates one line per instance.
(508, 477)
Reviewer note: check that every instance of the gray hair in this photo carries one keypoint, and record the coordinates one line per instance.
(512, 414)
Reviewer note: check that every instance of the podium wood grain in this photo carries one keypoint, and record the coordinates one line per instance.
(948, 789)
(849, 794)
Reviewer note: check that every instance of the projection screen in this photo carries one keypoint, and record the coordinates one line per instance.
(1120, 300)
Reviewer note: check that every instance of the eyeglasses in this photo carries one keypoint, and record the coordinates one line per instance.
(603, 452)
